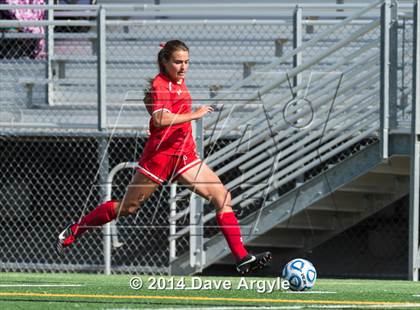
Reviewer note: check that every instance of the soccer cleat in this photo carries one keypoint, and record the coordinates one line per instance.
(65, 238)
(253, 262)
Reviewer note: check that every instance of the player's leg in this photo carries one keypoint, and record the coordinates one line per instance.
(203, 181)
(139, 190)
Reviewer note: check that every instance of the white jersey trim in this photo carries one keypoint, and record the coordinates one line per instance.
(163, 109)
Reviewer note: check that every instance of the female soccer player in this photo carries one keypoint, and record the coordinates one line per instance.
(170, 154)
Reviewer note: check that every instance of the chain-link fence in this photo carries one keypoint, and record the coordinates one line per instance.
(375, 248)
(405, 71)
(52, 155)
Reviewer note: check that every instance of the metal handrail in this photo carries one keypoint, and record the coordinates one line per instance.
(255, 13)
(278, 182)
(107, 228)
(296, 70)
(346, 122)
(261, 134)
(343, 89)
(289, 55)
(222, 155)
(110, 236)
(229, 185)
(300, 137)
(368, 119)
(165, 8)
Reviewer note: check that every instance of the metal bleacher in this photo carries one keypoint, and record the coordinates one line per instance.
(309, 152)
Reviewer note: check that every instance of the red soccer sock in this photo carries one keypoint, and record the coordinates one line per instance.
(103, 214)
(230, 228)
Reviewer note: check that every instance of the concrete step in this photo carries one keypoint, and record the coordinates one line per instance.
(281, 238)
(371, 183)
(342, 202)
(308, 220)
(396, 165)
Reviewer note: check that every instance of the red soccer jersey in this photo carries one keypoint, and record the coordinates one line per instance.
(174, 98)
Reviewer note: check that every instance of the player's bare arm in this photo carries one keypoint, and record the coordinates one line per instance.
(164, 118)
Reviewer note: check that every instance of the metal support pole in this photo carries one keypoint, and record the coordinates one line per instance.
(101, 28)
(339, 10)
(102, 126)
(403, 103)
(196, 232)
(393, 66)
(297, 42)
(50, 55)
(197, 255)
(385, 64)
(413, 256)
(103, 194)
(297, 59)
(172, 223)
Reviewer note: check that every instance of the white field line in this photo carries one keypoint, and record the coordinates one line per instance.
(308, 292)
(40, 285)
(356, 306)
(400, 306)
(218, 308)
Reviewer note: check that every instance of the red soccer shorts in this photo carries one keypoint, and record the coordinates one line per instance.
(160, 167)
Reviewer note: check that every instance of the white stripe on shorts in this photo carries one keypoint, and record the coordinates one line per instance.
(183, 169)
(151, 174)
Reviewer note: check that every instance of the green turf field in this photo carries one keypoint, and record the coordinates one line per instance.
(69, 291)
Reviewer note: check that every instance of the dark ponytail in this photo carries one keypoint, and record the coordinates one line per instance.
(148, 100)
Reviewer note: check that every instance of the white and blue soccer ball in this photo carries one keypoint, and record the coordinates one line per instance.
(300, 273)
